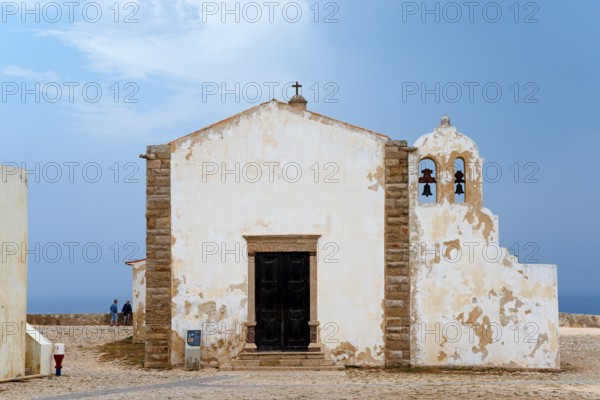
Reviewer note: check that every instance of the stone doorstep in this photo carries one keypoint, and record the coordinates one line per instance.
(282, 363)
(245, 363)
(280, 368)
(308, 363)
(290, 363)
(285, 365)
(263, 361)
(282, 356)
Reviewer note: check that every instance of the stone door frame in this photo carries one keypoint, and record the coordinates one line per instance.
(282, 244)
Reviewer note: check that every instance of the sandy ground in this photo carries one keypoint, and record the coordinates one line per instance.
(84, 377)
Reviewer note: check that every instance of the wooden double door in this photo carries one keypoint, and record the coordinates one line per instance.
(282, 301)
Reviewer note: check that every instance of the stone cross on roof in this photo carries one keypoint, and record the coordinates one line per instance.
(297, 86)
(297, 100)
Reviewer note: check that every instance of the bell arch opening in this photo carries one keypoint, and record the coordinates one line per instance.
(460, 194)
(427, 181)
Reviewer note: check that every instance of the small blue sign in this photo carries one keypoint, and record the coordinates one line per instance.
(193, 338)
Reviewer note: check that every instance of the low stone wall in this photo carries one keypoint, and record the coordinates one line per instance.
(579, 320)
(71, 319)
(566, 320)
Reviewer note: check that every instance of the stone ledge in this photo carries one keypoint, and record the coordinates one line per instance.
(70, 319)
(579, 320)
(275, 355)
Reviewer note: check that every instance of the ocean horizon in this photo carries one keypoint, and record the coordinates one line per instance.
(575, 304)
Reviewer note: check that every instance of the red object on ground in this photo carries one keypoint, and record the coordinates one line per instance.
(58, 358)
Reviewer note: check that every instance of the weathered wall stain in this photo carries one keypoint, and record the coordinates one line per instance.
(451, 245)
(208, 311)
(442, 356)
(378, 177)
(242, 287)
(542, 339)
(474, 315)
(344, 351)
(485, 335)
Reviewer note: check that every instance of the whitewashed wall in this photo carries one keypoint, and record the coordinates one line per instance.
(473, 304)
(138, 302)
(212, 216)
(39, 352)
(13, 271)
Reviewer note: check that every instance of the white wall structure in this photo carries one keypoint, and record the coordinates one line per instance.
(393, 281)
(472, 304)
(39, 353)
(278, 170)
(138, 302)
(13, 271)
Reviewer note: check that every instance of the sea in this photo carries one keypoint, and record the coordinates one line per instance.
(576, 304)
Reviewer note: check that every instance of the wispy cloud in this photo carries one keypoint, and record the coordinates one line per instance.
(179, 43)
(176, 49)
(29, 74)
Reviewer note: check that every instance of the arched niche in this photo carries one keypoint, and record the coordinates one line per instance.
(427, 180)
(460, 179)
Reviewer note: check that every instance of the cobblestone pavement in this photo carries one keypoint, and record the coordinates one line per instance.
(84, 377)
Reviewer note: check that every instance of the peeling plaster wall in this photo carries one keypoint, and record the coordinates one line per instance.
(138, 302)
(473, 304)
(13, 272)
(210, 290)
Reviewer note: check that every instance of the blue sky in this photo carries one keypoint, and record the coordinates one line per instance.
(390, 66)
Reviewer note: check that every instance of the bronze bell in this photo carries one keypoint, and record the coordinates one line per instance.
(427, 190)
(459, 189)
(459, 177)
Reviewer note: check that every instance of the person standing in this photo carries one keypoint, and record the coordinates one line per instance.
(114, 314)
(127, 311)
